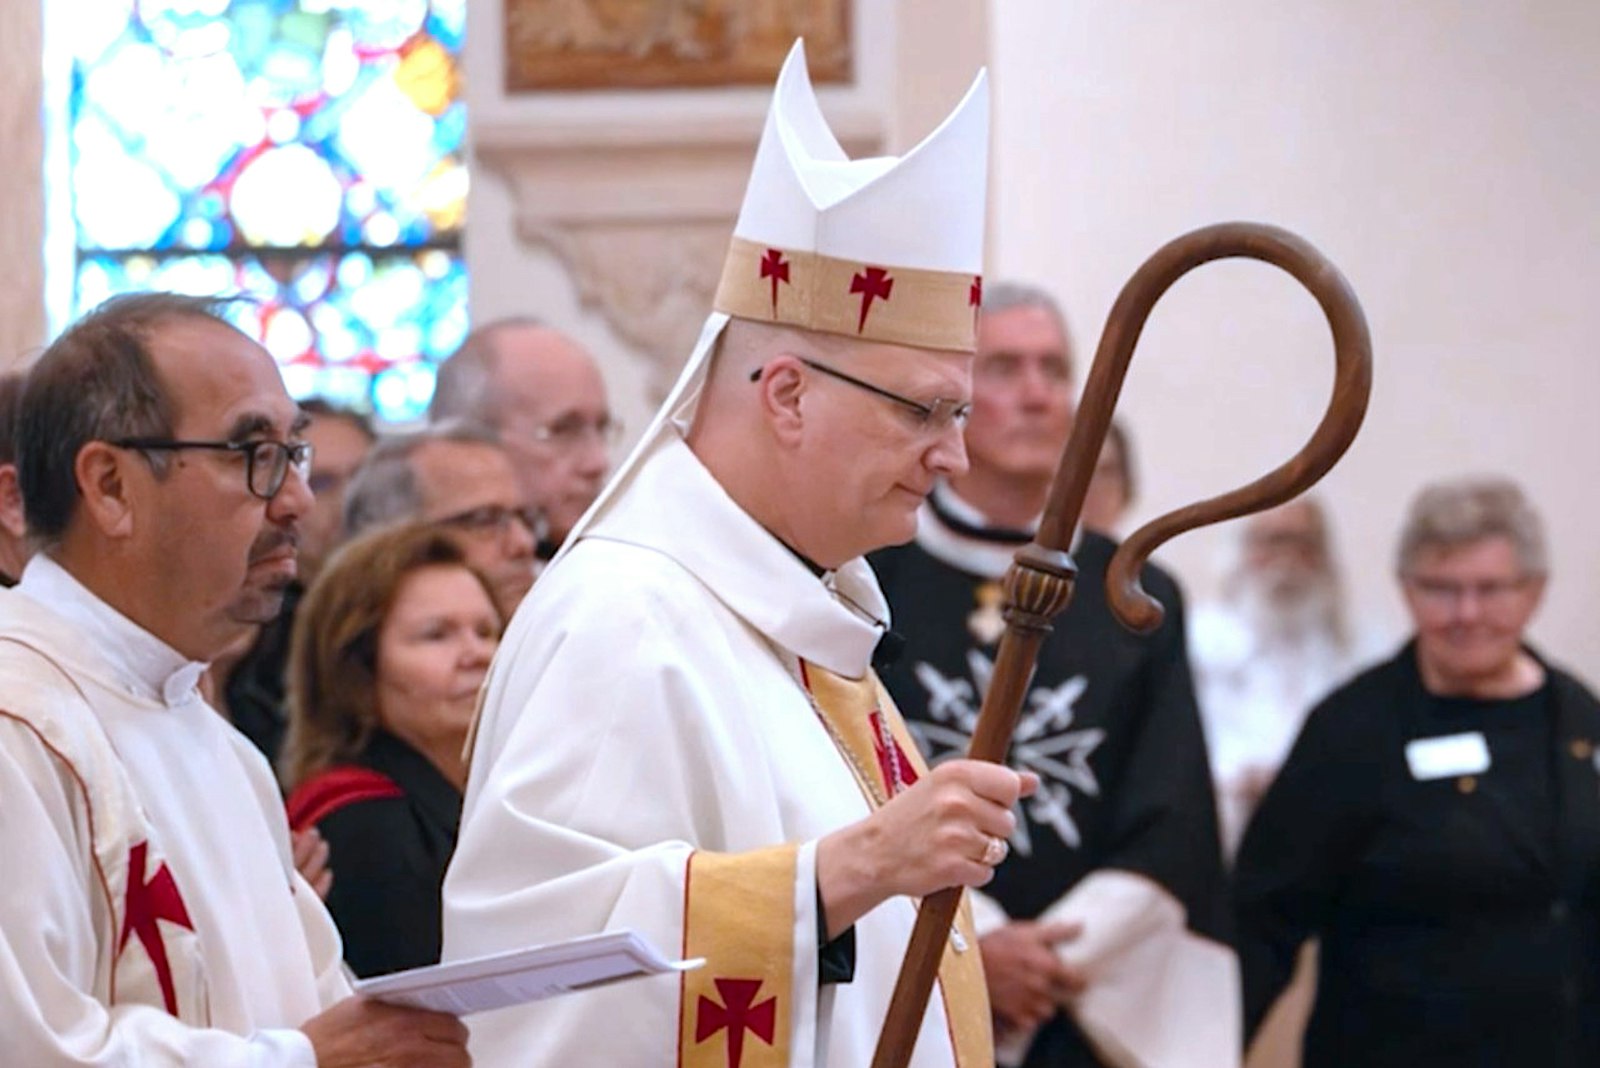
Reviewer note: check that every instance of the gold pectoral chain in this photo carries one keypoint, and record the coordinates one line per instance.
(869, 782)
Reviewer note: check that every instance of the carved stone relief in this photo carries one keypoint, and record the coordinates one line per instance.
(653, 282)
(22, 317)
(637, 44)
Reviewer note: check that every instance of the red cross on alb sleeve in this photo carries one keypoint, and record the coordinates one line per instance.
(736, 1015)
(147, 903)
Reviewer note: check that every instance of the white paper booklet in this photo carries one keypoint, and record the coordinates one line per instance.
(493, 982)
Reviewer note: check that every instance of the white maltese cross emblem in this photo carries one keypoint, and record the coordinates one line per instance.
(1044, 742)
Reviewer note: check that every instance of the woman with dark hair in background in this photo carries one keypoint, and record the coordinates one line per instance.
(389, 649)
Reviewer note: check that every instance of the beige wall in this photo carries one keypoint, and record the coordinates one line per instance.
(22, 317)
(1444, 154)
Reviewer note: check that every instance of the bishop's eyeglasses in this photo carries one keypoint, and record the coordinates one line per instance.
(266, 463)
(932, 419)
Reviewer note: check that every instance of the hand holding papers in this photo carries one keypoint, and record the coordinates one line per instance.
(493, 982)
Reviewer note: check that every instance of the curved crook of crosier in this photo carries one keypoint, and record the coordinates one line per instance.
(1352, 384)
(1352, 345)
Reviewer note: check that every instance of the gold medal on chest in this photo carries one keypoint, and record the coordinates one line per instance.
(986, 622)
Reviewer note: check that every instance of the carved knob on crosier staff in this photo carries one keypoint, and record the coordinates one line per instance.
(1039, 584)
(1037, 587)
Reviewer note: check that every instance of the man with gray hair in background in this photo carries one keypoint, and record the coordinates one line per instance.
(542, 394)
(456, 475)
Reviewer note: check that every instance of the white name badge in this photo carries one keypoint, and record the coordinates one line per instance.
(1447, 756)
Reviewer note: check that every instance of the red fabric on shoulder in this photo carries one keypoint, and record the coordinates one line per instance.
(346, 784)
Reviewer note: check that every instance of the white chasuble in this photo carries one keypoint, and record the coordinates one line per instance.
(647, 757)
(151, 913)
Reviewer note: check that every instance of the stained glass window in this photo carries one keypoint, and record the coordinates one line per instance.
(307, 153)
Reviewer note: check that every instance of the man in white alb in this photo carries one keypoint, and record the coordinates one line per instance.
(682, 733)
(151, 915)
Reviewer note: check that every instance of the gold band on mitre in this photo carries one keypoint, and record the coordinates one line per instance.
(873, 302)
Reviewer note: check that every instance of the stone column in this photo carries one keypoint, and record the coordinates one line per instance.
(22, 310)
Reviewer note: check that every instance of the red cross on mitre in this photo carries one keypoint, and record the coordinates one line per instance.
(894, 766)
(775, 267)
(147, 903)
(737, 1014)
(872, 283)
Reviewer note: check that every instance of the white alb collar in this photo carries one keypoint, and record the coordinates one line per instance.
(834, 621)
(147, 666)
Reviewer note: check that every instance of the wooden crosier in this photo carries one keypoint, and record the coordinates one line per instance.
(1038, 585)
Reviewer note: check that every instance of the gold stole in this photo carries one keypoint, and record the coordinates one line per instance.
(867, 728)
(738, 913)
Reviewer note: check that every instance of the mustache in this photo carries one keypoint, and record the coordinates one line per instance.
(272, 540)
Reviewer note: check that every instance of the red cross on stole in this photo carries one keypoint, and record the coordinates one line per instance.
(739, 1012)
(739, 915)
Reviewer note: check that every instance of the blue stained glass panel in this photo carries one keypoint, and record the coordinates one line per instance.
(306, 153)
(351, 326)
(273, 122)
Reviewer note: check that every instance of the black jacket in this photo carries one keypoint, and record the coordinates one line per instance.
(1459, 916)
(255, 690)
(388, 858)
(1109, 723)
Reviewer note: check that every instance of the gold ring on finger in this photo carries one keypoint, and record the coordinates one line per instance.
(995, 851)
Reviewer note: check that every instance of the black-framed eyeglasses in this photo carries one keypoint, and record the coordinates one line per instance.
(496, 518)
(932, 419)
(266, 463)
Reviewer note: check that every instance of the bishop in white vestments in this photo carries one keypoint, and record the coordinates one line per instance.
(682, 733)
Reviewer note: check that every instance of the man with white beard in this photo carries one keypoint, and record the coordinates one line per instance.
(1269, 650)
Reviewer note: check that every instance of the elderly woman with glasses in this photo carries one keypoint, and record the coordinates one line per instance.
(1437, 824)
(389, 650)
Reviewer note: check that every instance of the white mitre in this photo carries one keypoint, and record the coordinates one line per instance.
(886, 249)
